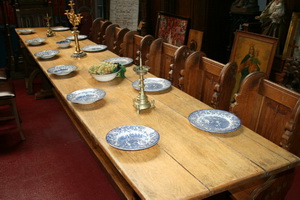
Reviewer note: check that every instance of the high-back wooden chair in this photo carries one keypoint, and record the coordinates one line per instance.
(135, 45)
(180, 57)
(272, 111)
(208, 80)
(97, 31)
(8, 98)
(160, 58)
(113, 38)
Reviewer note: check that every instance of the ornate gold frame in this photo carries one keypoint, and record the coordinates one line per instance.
(291, 36)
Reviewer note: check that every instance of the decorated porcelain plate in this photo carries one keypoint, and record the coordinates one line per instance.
(35, 41)
(80, 37)
(60, 28)
(120, 60)
(132, 137)
(153, 84)
(215, 121)
(46, 54)
(26, 31)
(94, 48)
(86, 96)
(61, 70)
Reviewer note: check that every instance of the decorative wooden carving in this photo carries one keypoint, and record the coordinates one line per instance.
(291, 74)
(208, 80)
(97, 31)
(272, 111)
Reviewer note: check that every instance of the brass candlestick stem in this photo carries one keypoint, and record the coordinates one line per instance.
(75, 20)
(142, 102)
(49, 32)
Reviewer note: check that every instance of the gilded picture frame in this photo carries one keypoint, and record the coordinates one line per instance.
(252, 52)
(292, 43)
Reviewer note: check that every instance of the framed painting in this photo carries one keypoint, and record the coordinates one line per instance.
(252, 52)
(173, 29)
(292, 43)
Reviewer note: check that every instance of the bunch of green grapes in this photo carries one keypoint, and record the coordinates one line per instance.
(104, 68)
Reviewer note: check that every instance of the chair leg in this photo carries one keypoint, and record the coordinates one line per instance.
(17, 118)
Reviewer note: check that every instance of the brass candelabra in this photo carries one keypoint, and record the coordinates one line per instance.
(75, 20)
(49, 32)
(142, 102)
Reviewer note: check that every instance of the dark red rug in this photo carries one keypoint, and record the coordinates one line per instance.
(53, 162)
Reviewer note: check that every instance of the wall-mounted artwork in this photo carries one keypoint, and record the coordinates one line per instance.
(292, 44)
(252, 52)
(173, 29)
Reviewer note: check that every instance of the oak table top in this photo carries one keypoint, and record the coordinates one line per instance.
(186, 162)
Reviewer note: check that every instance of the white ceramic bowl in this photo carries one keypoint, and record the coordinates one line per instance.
(105, 77)
(63, 43)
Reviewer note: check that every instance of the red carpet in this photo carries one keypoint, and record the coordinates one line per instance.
(53, 162)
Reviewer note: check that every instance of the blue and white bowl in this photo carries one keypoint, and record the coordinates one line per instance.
(46, 54)
(63, 43)
(86, 96)
(35, 41)
(62, 70)
(26, 31)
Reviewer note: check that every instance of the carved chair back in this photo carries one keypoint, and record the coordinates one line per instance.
(113, 38)
(135, 45)
(272, 111)
(97, 31)
(207, 80)
(160, 58)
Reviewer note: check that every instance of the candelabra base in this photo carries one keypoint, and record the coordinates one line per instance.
(142, 104)
(78, 54)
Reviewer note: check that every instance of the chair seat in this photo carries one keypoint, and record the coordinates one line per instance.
(6, 90)
(3, 74)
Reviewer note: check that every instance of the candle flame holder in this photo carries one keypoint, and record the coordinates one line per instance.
(75, 20)
(49, 32)
(142, 102)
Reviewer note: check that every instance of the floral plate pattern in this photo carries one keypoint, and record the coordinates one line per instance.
(86, 96)
(80, 37)
(61, 70)
(94, 48)
(35, 41)
(215, 121)
(121, 60)
(132, 137)
(153, 84)
(46, 54)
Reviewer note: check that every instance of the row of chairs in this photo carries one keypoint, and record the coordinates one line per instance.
(267, 108)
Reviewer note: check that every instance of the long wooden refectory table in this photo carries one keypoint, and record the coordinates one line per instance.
(186, 162)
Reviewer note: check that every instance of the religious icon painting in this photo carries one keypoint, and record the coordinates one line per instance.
(252, 52)
(292, 43)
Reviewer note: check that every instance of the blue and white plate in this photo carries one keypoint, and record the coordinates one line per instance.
(121, 60)
(80, 37)
(86, 96)
(46, 54)
(153, 84)
(132, 137)
(215, 121)
(35, 41)
(94, 48)
(26, 31)
(60, 28)
(61, 70)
